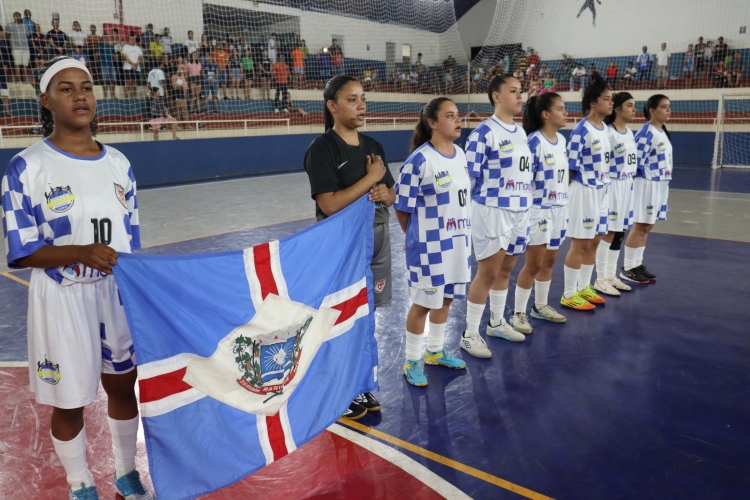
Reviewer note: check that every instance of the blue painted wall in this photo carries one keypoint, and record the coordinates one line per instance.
(174, 162)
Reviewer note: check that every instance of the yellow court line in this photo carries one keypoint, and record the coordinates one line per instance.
(502, 483)
(15, 278)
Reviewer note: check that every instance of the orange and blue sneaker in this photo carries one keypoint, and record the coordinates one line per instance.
(577, 302)
(442, 358)
(590, 295)
(414, 373)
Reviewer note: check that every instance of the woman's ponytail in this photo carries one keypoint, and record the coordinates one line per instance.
(423, 132)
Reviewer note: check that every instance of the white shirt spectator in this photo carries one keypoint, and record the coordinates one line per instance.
(19, 36)
(166, 44)
(192, 45)
(77, 38)
(130, 53)
(662, 58)
(630, 73)
(272, 50)
(579, 72)
(155, 77)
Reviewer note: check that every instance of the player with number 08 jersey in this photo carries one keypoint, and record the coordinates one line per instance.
(69, 207)
(433, 210)
(588, 161)
(499, 163)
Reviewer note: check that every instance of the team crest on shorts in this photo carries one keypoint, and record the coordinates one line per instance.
(613, 215)
(120, 193)
(549, 160)
(430, 291)
(48, 371)
(60, 199)
(543, 225)
(379, 286)
(588, 223)
(443, 179)
(506, 147)
(649, 209)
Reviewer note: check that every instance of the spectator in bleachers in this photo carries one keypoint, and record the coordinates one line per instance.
(337, 59)
(235, 69)
(663, 58)
(166, 41)
(38, 44)
(535, 85)
(36, 76)
(289, 106)
(89, 49)
(699, 48)
(248, 67)
(155, 50)
(76, 37)
(264, 74)
(721, 75)
(688, 66)
(80, 56)
(413, 79)
(353, 72)
(281, 79)
(422, 71)
(708, 58)
(157, 80)
(221, 58)
(148, 37)
(611, 74)
(721, 50)
(298, 67)
(578, 76)
(630, 74)
(644, 65)
(194, 70)
(4, 92)
(521, 77)
(160, 115)
(191, 44)
(368, 83)
(170, 68)
(592, 69)
(105, 54)
(566, 66)
(728, 60)
(261, 46)
(533, 58)
(210, 84)
(204, 49)
(132, 55)
(305, 50)
(324, 63)
(396, 79)
(272, 48)
(522, 63)
(549, 83)
(30, 25)
(57, 40)
(18, 35)
(180, 92)
(736, 69)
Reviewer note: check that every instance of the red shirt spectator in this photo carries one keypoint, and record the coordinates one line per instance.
(612, 71)
(337, 58)
(281, 73)
(533, 59)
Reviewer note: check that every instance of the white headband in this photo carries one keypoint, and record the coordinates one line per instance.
(56, 68)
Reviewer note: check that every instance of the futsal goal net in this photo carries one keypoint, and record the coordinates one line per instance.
(732, 141)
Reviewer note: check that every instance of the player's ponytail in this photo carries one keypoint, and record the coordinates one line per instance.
(423, 132)
(331, 93)
(496, 83)
(593, 90)
(45, 115)
(653, 103)
(535, 106)
(617, 101)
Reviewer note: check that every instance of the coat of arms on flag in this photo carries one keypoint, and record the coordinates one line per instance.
(243, 356)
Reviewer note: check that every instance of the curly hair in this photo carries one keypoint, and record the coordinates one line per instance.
(45, 115)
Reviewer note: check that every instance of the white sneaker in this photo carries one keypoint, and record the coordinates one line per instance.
(619, 285)
(520, 323)
(505, 331)
(606, 288)
(475, 345)
(547, 312)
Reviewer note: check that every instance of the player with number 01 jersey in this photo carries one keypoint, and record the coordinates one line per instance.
(433, 210)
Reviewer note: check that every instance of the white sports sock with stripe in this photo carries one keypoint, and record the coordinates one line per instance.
(436, 337)
(571, 281)
(522, 299)
(414, 346)
(639, 256)
(630, 256)
(72, 455)
(473, 316)
(614, 255)
(541, 293)
(602, 259)
(584, 280)
(124, 437)
(497, 305)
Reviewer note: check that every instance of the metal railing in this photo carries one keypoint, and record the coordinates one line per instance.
(143, 125)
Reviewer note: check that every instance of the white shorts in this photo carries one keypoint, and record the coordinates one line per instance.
(651, 199)
(588, 209)
(300, 70)
(494, 229)
(21, 57)
(548, 226)
(432, 298)
(75, 333)
(620, 205)
(4, 92)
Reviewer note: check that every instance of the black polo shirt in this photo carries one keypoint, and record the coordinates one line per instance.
(333, 165)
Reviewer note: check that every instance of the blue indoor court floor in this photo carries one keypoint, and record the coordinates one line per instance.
(648, 397)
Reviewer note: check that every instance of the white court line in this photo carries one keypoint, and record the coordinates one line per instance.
(403, 462)
(14, 364)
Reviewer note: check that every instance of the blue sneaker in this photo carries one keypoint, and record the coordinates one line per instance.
(442, 358)
(84, 493)
(130, 487)
(414, 373)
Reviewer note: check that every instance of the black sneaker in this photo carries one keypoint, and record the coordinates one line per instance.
(634, 276)
(355, 411)
(642, 269)
(368, 401)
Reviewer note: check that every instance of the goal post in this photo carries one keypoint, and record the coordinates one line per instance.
(732, 132)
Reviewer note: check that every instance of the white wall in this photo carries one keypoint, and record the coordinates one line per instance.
(475, 25)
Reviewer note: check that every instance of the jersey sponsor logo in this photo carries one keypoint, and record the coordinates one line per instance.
(557, 196)
(443, 179)
(379, 286)
(613, 215)
(549, 160)
(588, 223)
(668, 173)
(72, 270)
(661, 147)
(626, 175)
(543, 225)
(454, 224)
(506, 146)
(430, 291)
(512, 185)
(120, 193)
(347, 161)
(60, 199)
(649, 209)
(596, 145)
(48, 371)
(620, 148)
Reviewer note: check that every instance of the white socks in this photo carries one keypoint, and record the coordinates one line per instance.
(436, 337)
(602, 259)
(72, 455)
(639, 256)
(522, 299)
(124, 436)
(541, 293)
(584, 279)
(473, 316)
(630, 256)
(414, 346)
(614, 255)
(571, 281)
(497, 306)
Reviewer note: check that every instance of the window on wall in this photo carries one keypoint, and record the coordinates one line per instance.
(406, 54)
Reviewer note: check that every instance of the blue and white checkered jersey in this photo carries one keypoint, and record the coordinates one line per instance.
(499, 157)
(550, 167)
(434, 188)
(654, 154)
(588, 154)
(623, 157)
(50, 197)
